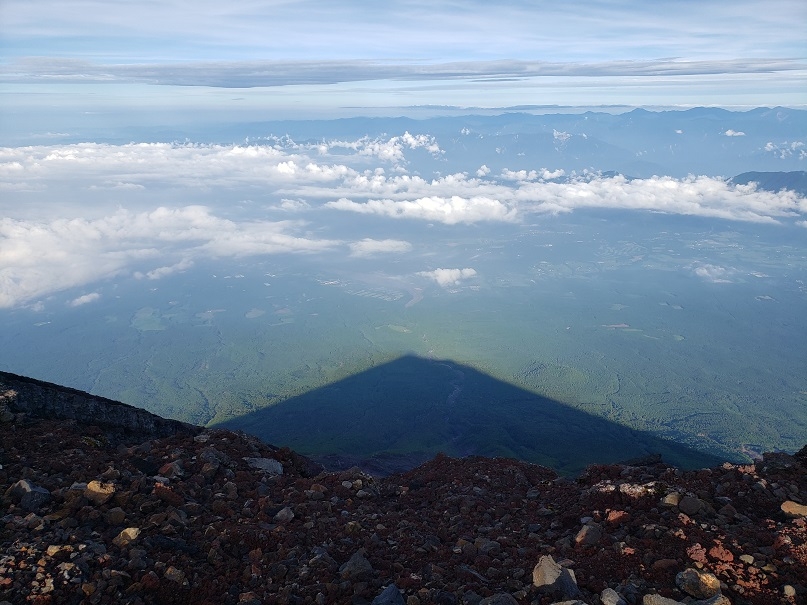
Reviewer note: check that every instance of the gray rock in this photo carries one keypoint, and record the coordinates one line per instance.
(270, 466)
(284, 515)
(501, 598)
(471, 598)
(28, 495)
(689, 505)
(610, 596)
(718, 599)
(549, 577)
(357, 569)
(589, 535)
(389, 596)
(654, 599)
(699, 584)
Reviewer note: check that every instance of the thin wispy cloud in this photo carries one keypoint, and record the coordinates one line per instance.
(302, 29)
(285, 73)
(369, 247)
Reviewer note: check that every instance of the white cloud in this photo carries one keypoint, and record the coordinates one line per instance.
(450, 211)
(518, 175)
(734, 133)
(392, 150)
(448, 277)
(42, 257)
(560, 136)
(303, 178)
(293, 205)
(787, 149)
(83, 300)
(371, 247)
(131, 229)
(552, 174)
(697, 196)
(161, 272)
(713, 273)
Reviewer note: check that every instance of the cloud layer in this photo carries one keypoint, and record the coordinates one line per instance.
(286, 73)
(76, 214)
(303, 29)
(40, 258)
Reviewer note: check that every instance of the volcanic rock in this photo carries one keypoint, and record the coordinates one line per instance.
(552, 578)
(699, 584)
(389, 596)
(183, 517)
(357, 568)
(31, 497)
(794, 510)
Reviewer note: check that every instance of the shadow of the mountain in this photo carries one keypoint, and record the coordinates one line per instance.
(397, 415)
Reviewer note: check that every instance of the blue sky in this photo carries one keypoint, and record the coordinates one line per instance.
(676, 53)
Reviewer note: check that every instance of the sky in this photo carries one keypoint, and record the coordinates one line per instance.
(75, 210)
(402, 53)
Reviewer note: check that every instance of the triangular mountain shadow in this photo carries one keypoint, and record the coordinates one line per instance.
(394, 416)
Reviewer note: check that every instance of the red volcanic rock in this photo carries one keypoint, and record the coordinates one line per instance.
(217, 517)
(721, 553)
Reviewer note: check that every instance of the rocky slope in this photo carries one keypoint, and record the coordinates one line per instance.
(95, 512)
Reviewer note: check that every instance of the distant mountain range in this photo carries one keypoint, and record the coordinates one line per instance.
(700, 141)
(775, 181)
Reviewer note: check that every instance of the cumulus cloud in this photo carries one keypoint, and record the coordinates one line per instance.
(697, 196)
(713, 273)
(42, 257)
(83, 300)
(390, 149)
(448, 277)
(787, 149)
(161, 272)
(124, 229)
(303, 177)
(450, 211)
(561, 137)
(371, 247)
(734, 133)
